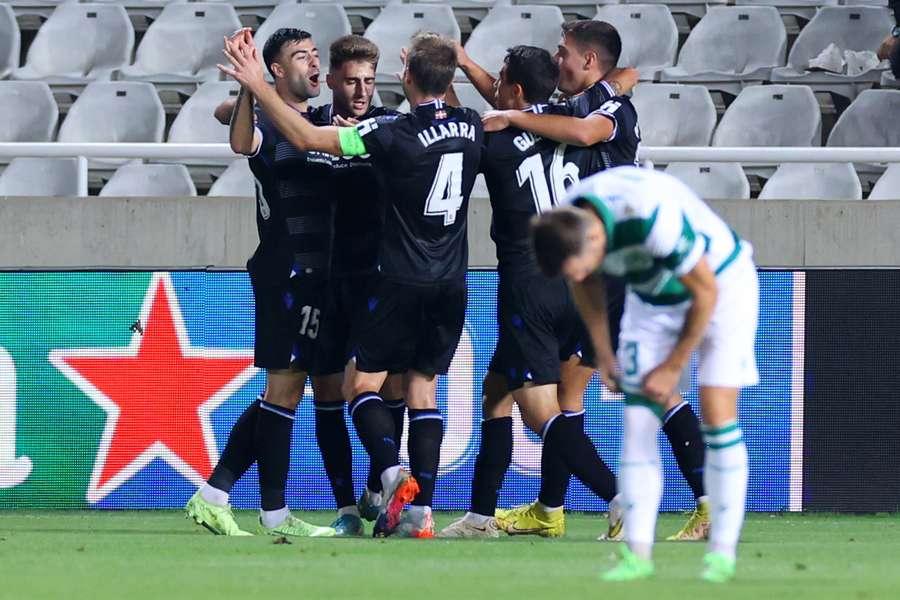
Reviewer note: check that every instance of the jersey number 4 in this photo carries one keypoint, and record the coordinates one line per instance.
(562, 175)
(445, 197)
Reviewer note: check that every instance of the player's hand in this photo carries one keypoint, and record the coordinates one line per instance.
(462, 57)
(660, 383)
(495, 120)
(404, 53)
(246, 67)
(609, 374)
(244, 35)
(345, 122)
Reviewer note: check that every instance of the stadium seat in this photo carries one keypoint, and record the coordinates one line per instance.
(713, 181)
(397, 23)
(508, 26)
(813, 181)
(44, 177)
(888, 186)
(672, 114)
(731, 46)
(872, 120)
(889, 81)
(42, 8)
(800, 8)
(29, 112)
(115, 111)
(695, 8)
(146, 8)
(10, 41)
(138, 179)
(195, 122)
(105, 43)
(771, 115)
(184, 44)
(855, 28)
(649, 36)
(583, 9)
(236, 180)
(327, 22)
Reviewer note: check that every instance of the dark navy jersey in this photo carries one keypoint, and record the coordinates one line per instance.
(526, 175)
(428, 160)
(358, 207)
(621, 149)
(293, 213)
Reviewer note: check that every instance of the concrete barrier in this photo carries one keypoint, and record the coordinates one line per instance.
(221, 232)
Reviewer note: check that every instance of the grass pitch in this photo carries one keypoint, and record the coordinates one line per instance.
(160, 555)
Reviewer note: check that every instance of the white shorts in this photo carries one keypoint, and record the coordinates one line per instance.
(726, 355)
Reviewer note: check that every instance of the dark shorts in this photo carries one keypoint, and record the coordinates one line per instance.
(350, 296)
(290, 325)
(410, 326)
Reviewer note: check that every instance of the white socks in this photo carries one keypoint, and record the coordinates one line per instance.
(274, 518)
(389, 479)
(640, 478)
(214, 495)
(725, 478)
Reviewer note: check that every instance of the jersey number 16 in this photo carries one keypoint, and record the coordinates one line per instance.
(532, 171)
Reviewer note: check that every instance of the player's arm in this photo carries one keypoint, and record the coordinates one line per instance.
(223, 111)
(242, 132)
(590, 298)
(575, 131)
(623, 80)
(482, 80)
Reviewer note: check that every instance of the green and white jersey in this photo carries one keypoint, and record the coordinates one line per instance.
(657, 230)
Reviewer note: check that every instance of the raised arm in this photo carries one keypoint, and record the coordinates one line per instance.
(590, 298)
(242, 133)
(223, 111)
(482, 80)
(623, 80)
(576, 131)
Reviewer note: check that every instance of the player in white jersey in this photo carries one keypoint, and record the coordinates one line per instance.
(692, 286)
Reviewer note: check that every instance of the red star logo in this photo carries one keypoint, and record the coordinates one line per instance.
(158, 392)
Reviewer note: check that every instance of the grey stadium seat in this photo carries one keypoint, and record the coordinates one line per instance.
(671, 114)
(872, 120)
(236, 180)
(137, 179)
(582, 8)
(10, 40)
(732, 44)
(115, 111)
(327, 22)
(649, 35)
(397, 23)
(105, 41)
(888, 186)
(195, 122)
(43, 177)
(813, 181)
(713, 181)
(508, 26)
(29, 112)
(855, 28)
(801, 8)
(184, 44)
(771, 115)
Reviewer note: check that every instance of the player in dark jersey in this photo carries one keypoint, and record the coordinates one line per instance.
(288, 274)
(539, 326)
(428, 160)
(606, 123)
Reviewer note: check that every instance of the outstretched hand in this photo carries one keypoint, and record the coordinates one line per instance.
(246, 67)
(495, 120)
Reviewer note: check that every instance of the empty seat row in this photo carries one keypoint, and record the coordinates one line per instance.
(669, 115)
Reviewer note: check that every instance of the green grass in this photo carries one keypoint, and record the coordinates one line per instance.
(159, 555)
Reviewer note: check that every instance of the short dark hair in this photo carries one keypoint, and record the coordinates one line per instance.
(432, 62)
(556, 236)
(534, 69)
(599, 36)
(277, 41)
(352, 48)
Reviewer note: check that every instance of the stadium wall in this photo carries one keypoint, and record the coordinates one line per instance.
(118, 389)
(221, 232)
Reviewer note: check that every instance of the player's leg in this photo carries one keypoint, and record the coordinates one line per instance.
(393, 394)
(682, 428)
(491, 464)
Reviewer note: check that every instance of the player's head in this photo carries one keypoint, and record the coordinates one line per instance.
(528, 76)
(430, 65)
(587, 51)
(293, 60)
(569, 240)
(351, 75)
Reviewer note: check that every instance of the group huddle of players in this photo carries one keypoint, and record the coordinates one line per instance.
(359, 277)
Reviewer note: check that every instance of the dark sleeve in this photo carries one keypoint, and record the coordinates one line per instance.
(266, 131)
(894, 58)
(895, 6)
(378, 136)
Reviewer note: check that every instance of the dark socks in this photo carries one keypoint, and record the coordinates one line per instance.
(239, 452)
(375, 428)
(493, 461)
(398, 412)
(563, 437)
(337, 455)
(426, 431)
(274, 426)
(683, 430)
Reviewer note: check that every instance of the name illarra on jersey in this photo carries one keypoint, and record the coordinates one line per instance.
(443, 131)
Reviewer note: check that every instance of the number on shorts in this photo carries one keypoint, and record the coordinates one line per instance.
(310, 325)
(631, 358)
